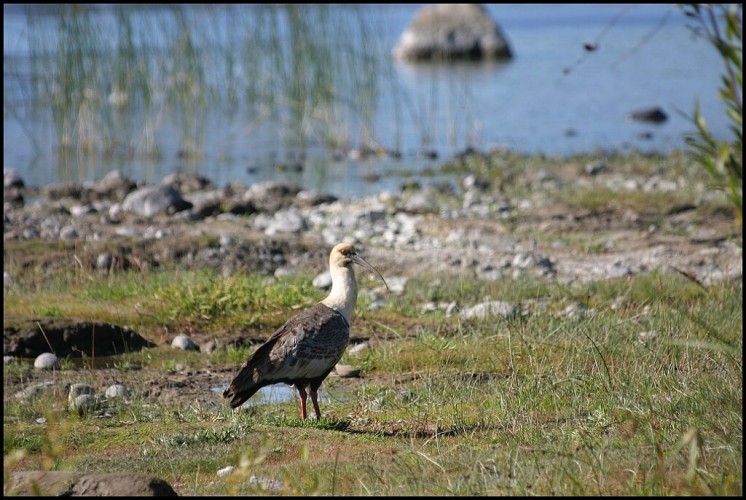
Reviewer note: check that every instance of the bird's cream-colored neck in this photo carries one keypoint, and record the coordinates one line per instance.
(343, 295)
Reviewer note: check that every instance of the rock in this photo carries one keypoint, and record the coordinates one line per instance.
(115, 213)
(346, 371)
(114, 185)
(537, 263)
(226, 240)
(47, 361)
(12, 198)
(451, 309)
(154, 200)
(187, 182)
(68, 233)
(266, 483)
(270, 196)
(617, 270)
(104, 262)
(225, 471)
(323, 280)
(66, 483)
(427, 154)
(117, 391)
(127, 232)
(237, 206)
(79, 390)
(358, 348)
(209, 347)
(595, 168)
(310, 199)
(30, 233)
(282, 272)
(11, 179)
(285, 221)
(61, 190)
(645, 337)
(376, 303)
(34, 389)
(184, 343)
(472, 181)
(83, 403)
(397, 284)
(649, 115)
(81, 210)
(490, 308)
(206, 203)
(452, 31)
(448, 307)
(577, 310)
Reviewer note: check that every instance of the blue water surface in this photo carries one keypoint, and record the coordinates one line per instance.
(553, 98)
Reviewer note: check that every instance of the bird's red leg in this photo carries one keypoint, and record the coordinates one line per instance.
(302, 394)
(314, 400)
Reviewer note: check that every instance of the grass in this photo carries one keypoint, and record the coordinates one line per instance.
(641, 396)
(538, 404)
(181, 299)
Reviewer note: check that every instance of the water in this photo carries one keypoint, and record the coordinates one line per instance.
(276, 393)
(533, 104)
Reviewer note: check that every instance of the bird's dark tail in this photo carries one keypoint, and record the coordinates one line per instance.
(249, 378)
(242, 387)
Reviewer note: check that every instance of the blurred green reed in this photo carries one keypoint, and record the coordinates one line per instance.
(113, 78)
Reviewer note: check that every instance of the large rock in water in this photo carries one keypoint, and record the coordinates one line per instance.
(450, 32)
(29, 337)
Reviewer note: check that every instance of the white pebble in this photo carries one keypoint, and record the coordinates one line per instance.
(225, 471)
(185, 343)
(47, 361)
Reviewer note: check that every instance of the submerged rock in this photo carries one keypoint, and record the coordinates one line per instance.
(650, 115)
(452, 31)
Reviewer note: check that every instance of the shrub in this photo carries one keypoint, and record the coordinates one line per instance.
(722, 26)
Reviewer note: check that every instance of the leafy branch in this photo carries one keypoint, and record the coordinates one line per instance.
(722, 26)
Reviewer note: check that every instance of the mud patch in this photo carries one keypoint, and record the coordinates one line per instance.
(29, 337)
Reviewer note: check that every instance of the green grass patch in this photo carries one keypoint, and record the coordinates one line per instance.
(641, 396)
(203, 297)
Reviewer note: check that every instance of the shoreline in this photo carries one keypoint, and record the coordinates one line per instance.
(573, 220)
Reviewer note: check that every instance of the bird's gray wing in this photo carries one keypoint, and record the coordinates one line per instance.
(309, 344)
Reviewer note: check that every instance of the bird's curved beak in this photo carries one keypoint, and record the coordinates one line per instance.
(360, 261)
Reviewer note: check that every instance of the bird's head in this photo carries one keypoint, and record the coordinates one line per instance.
(344, 255)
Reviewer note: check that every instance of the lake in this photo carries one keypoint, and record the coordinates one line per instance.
(553, 98)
